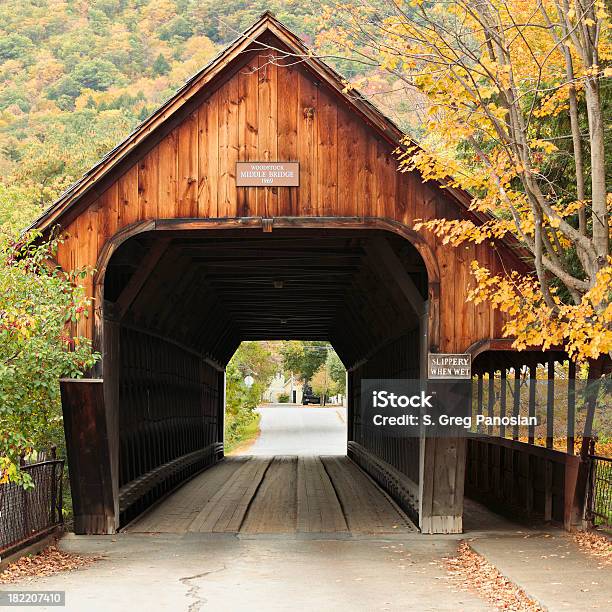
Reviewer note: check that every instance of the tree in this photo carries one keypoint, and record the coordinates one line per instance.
(15, 46)
(337, 371)
(160, 66)
(36, 350)
(323, 384)
(59, 148)
(330, 378)
(303, 358)
(65, 89)
(177, 28)
(497, 76)
(97, 74)
(251, 359)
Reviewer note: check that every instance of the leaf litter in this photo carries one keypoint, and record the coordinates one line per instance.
(48, 562)
(472, 572)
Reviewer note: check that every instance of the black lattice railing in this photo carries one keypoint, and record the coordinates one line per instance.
(26, 515)
(599, 509)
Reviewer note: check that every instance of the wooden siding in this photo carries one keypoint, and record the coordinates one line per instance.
(268, 112)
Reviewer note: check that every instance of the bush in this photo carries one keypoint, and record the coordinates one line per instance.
(251, 358)
(37, 304)
(283, 398)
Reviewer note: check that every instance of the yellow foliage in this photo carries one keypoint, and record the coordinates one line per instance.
(585, 329)
(489, 128)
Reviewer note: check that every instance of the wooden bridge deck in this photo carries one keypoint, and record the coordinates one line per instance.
(280, 494)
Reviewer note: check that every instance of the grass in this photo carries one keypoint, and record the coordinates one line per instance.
(245, 433)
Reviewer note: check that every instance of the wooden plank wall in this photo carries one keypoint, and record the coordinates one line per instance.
(269, 112)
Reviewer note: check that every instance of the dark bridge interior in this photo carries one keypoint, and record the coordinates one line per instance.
(181, 303)
(210, 293)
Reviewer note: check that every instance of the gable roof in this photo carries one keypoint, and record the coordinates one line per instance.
(289, 43)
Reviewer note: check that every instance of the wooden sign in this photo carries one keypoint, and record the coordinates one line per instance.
(267, 174)
(448, 366)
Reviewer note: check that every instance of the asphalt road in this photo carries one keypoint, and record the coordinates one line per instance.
(293, 429)
(193, 572)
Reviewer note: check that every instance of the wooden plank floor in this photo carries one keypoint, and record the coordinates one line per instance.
(319, 510)
(366, 507)
(274, 508)
(276, 495)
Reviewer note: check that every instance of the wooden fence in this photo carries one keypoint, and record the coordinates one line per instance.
(523, 479)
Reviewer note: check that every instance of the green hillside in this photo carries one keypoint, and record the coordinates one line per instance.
(76, 76)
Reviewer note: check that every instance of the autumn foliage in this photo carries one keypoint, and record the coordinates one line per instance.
(513, 106)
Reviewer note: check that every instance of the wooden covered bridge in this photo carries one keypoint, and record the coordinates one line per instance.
(195, 252)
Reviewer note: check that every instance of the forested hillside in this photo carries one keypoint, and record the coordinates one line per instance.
(76, 76)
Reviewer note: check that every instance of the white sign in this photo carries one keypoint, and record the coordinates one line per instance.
(448, 366)
(267, 174)
(248, 381)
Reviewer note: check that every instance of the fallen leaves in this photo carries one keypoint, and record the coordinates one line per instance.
(595, 544)
(46, 563)
(471, 572)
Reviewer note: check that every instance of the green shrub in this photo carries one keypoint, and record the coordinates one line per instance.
(37, 305)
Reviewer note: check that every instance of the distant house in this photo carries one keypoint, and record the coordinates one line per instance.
(281, 385)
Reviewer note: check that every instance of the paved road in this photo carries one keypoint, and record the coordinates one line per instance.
(292, 429)
(200, 573)
(195, 571)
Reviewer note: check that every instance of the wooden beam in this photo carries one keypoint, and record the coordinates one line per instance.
(491, 401)
(89, 456)
(480, 400)
(379, 250)
(139, 278)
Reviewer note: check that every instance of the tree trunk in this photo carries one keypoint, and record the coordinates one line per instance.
(598, 173)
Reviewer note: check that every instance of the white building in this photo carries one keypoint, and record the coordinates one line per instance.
(281, 385)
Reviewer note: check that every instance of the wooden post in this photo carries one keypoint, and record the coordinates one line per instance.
(442, 474)
(491, 400)
(89, 458)
(516, 408)
(480, 399)
(548, 492)
(571, 406)
(550, 404)
(441, 484)
(111, 371)
(502, 401)
(533, 369)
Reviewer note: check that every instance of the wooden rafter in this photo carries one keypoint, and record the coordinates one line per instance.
(140, 276)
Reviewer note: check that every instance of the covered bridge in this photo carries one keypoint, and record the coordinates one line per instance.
(189, 261)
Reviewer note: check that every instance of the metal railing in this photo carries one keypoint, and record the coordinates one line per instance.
(27, 515)
(599, 502)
